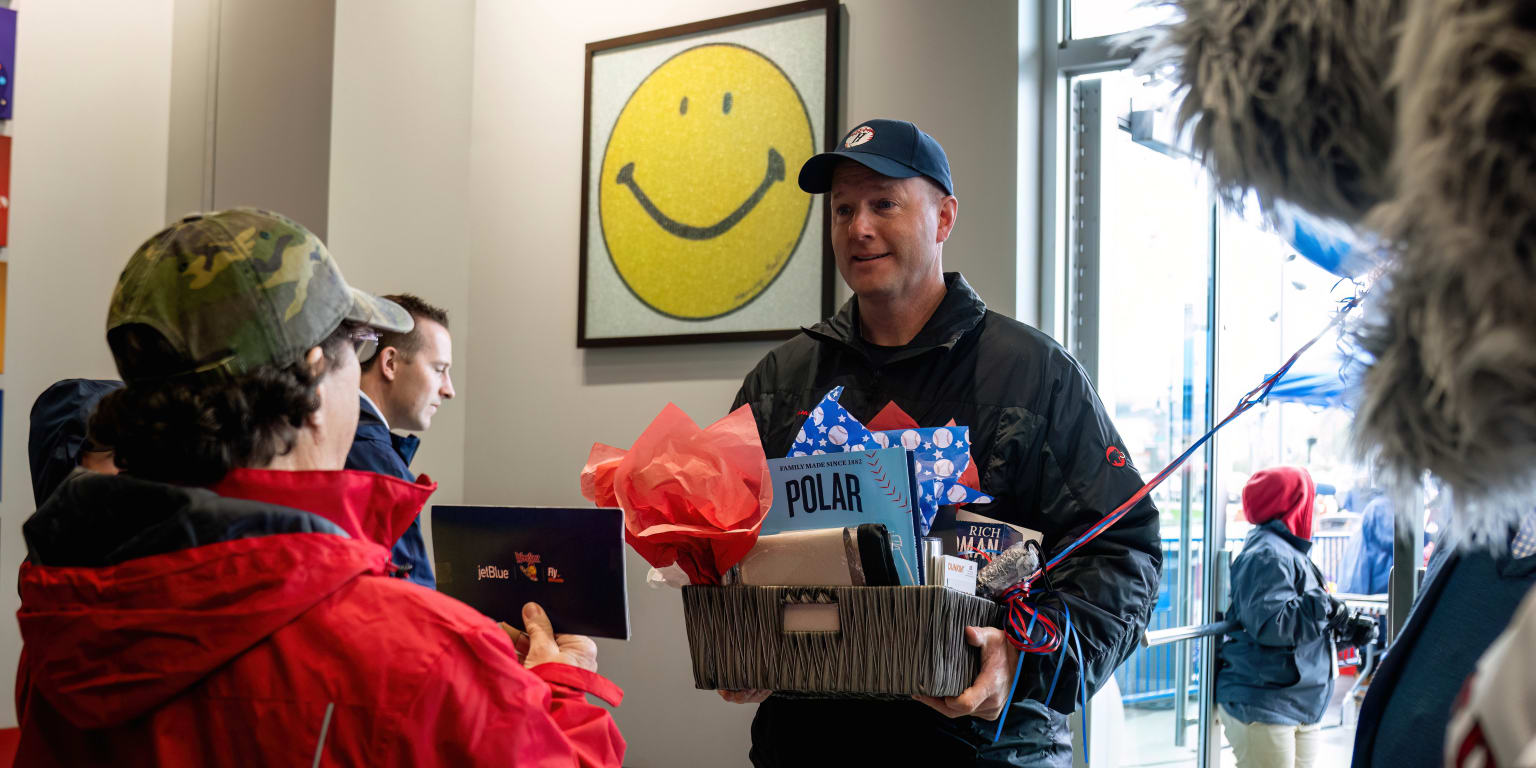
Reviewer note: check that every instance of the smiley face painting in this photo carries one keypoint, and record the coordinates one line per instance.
(698, 203)
(694, 228)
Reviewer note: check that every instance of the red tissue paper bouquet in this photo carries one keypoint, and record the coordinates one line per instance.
(694, 497)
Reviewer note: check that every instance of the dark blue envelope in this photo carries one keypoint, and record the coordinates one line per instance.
(570, 561)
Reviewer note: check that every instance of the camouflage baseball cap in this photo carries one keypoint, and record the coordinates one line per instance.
(238, 289)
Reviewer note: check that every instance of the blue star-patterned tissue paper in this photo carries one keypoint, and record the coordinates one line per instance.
(940, 454)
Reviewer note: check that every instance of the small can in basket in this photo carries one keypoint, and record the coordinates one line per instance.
(888, 642)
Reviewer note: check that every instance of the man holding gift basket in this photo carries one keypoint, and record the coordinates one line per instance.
(1045, 452)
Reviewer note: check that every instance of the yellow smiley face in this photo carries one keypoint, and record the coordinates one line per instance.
(698, 200)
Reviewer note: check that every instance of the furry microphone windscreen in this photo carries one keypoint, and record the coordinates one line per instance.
(1286, 98)
(1453, 387)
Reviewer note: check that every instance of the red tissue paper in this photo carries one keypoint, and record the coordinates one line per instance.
(694, 497)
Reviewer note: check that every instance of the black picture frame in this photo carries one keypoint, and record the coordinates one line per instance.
(655, 325)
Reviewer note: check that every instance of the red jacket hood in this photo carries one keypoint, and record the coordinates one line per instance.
(1281, 493)
(108, 644)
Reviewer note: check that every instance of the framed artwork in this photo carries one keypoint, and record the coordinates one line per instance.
(693, 226)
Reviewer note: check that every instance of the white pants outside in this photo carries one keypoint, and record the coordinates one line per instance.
(1263, 745)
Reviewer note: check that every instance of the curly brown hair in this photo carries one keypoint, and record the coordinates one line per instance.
(192, 431)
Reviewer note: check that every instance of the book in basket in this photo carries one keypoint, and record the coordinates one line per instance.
(838, 490)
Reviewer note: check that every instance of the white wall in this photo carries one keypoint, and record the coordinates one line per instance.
(399, 175)
(88, 185)
(538, 403)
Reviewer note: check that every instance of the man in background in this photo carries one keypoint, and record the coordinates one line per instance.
(403, 384)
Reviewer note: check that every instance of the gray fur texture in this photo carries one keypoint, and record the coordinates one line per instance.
(1286, 97)
(1416, 119)
(1453, 389)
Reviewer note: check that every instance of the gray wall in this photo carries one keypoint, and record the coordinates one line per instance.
(272, 143)
(251, 107)
(194, 86)
(399, 218)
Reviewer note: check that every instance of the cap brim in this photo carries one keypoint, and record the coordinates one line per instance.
(816, 174)
(375, 312)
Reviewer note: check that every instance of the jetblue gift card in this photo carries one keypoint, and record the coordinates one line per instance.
(570, 561)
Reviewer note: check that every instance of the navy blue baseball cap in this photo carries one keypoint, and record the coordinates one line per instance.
(894, 148)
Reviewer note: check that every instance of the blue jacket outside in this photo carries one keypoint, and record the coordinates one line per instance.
(376, 449)
(1368, 559)
(1279, 667)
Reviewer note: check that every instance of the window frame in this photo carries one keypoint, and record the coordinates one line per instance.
(1069, 300)
(1062, 303)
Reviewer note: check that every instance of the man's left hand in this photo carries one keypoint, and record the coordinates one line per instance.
(988, 696)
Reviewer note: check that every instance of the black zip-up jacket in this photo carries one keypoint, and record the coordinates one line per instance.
(1052, 461)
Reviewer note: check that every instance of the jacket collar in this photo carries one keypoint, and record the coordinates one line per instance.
(1279, 528)
(371, 423)
(370, 410)
(959, 312)
(95, 520)
(405, 445)
(366, 505)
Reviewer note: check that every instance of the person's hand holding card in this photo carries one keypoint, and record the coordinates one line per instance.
(540, 644)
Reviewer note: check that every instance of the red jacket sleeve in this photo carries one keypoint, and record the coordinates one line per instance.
(482, 707)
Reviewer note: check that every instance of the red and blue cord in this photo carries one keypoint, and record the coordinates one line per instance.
(1022, 635)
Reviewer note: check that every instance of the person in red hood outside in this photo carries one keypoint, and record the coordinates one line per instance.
(228, 599)
(1276, 671)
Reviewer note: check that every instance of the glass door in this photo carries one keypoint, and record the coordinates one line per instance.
(1177, 306)
(1140, 306)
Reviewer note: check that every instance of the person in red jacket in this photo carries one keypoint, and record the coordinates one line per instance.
(229, 599)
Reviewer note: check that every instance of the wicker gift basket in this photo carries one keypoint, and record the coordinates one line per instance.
(889, 642)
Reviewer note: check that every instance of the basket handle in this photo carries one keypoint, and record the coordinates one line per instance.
(808, 595)
(810, 610)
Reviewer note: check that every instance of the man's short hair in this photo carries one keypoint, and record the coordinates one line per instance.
(408, 343)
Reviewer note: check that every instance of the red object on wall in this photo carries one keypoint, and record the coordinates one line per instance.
(9, 739)
(5, 191)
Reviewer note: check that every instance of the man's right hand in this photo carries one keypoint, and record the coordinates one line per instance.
(745, 697)
(540, 644)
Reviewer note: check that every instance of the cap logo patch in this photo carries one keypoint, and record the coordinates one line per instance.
(860, 135)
